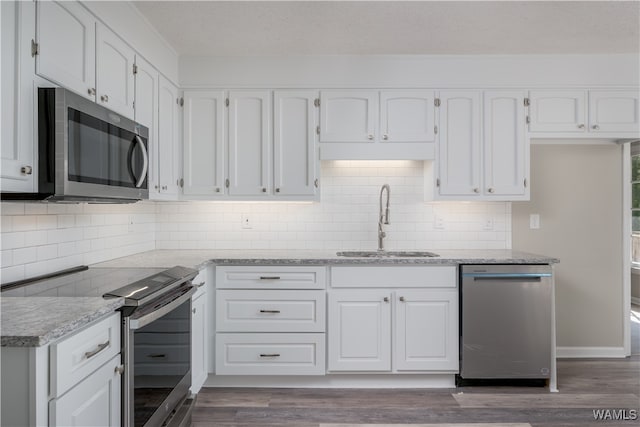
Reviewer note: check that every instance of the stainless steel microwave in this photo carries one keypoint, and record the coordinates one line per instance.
(87, 153)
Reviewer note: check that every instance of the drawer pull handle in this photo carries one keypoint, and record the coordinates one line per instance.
(157, 356)
(269, 277)
(270, 311)
(90, 354)
(270, 355)
(119, 369)
(199, 285)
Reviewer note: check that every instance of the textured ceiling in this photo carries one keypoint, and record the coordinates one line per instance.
(222, 28)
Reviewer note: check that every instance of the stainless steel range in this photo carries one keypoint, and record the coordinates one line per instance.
(156, 334)
(156, 346)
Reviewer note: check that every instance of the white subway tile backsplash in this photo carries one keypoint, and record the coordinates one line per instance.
(24, 255)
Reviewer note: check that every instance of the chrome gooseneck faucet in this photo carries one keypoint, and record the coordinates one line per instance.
(383, 218)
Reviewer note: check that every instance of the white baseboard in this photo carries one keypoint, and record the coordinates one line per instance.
(635, 300)
(334, 381)
(588, 352)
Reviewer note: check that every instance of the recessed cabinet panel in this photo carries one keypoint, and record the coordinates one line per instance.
(204, 114)
(359, 330)
(295, 158)
(66, 34)
(505, 148)
(460, 148)
(557, 111)
(249, 142)
(347, 116)
(146, 113)
(426, 330)
(614, 111)
(407, 116)
(169, 147)
(114, 66)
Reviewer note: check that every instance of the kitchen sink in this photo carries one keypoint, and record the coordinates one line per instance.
(387, 254)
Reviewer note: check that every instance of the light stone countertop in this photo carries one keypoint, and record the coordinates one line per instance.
(196, 258)
(37, 321)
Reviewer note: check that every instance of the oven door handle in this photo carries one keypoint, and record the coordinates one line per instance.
(156, 314)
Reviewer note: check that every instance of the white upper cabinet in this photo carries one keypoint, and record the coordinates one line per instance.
(295, 159)
(19, 98)
(348, 115)
(169, 146)
(204, 137)
(407, 116)
(114, 68)
(249, 142)
(506, 152)
(584, 113)
(557, 111)
(66, 37)
(146, 113)
(614, 111)
(459, 158)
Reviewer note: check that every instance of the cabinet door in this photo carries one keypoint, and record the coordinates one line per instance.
(169, 146)
(95, 401)
(114, 77)
(459, 150)
(557, 111)
(407, 116)
(204, 113)
(199, 346)
(146, 113)
(294, 144)
(19, 95)
(506, 151)
(614, 111)
(426, 330)
(66, 37)
(348, 115)
(249, 143)
(359, 330)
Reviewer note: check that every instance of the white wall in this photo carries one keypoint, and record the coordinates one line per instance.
(577, 190)
(346, 218)
(440, 71)
(39, 238)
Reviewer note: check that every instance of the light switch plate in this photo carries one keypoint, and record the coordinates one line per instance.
(534, 221)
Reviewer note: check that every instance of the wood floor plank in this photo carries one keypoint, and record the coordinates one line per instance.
(549, 400)
(430, 425)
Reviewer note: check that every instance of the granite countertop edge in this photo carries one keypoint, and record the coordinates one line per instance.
(64, 327)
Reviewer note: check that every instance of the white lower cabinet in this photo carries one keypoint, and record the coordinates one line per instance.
(95, 401)
(200, 321)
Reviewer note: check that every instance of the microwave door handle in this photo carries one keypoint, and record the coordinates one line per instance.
(145, 162)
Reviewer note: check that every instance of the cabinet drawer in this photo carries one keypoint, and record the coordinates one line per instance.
(270, 354)
(76, 357)
(270, 311)
(437, 276)
(270, 277)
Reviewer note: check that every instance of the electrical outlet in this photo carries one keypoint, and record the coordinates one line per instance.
(438, 222)
(534, 221)
(487, 224)
(246, 223)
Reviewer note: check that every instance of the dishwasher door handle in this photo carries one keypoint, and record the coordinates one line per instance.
(511, 277)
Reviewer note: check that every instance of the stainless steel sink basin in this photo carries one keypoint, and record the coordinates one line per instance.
(386, 254)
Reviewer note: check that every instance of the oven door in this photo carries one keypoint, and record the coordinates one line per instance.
(157, 354)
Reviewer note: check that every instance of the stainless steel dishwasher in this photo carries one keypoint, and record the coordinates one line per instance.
(506, 321)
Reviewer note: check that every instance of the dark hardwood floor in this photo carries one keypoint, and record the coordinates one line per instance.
(585, 386)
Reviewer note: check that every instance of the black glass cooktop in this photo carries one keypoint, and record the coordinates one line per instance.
(94, 282)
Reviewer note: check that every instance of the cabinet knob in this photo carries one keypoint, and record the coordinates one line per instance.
(385, 137)
(277, 190)
(491, 190)
(595, 127)
(104, 98)
(193, 310)
(402, 299)
(264, 190)
(315, 182)
(386, 299)
(476, 190)
(217, 189)
(581, 126)
(26, 170)
(155, 186)
(370, 137)
(119, 369)
(91, 91)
